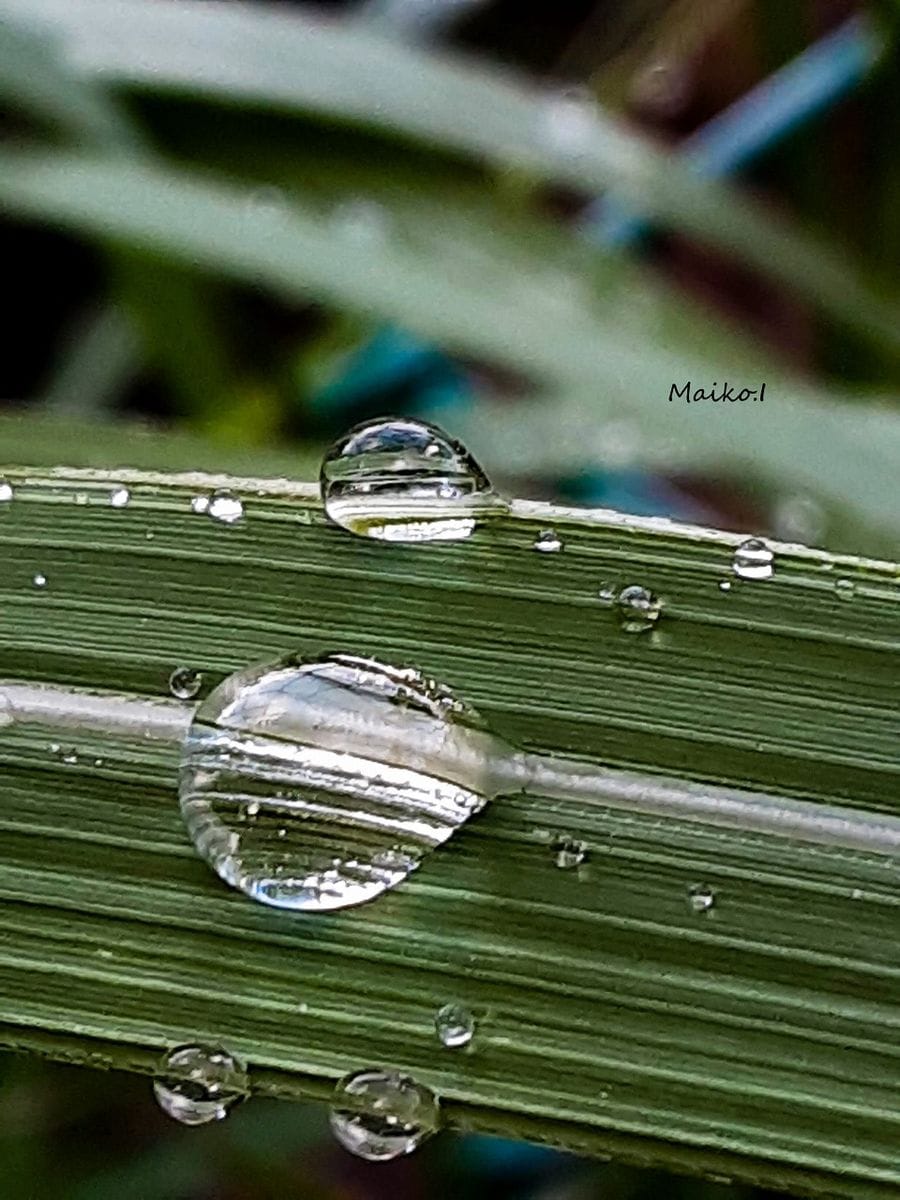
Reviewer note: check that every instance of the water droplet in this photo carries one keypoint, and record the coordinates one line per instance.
(569, 853)
(753, 560)
(185, 683)
(639, 609)
(39, 580)
(200, 504)
(6, 491)
(547, 542)
(196, 1083)
(724, 585)
(701, 898)
(70, 757)
(367, 767)
(607, 594)
(81, 498)
(225, 506)
(404, 481)
(845, 588)
(119, 497)
(454, 1025)
(380, 1115)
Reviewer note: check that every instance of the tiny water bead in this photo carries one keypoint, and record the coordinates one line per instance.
(119, 497)
(724, 585)
(185, 683)
(701, 898)
(225, 507)
(199, 504)
(753, 559)
(639, 609)
(6, 491)
(197, 1083)
(569, 853)
(845, 588)
(402, 480)
(39, 579)
(318, 785)
(547, 542)
(454, 1025)
(381, 1115)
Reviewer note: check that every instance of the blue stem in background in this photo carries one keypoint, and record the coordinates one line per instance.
(806, 86)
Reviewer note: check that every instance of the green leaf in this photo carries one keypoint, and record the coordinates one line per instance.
(236, 53)
(757, 1040)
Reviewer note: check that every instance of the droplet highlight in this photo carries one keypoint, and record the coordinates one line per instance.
(454, 1025)
(355, 772)
(639, 608)
(39, 579)
(753, 559)
(196, 1083)
(547, 542)
(185, 683)
(381, 1115)
(6, 491)
(402, 480)
(701, 898)
(225, 507)
(119, 497)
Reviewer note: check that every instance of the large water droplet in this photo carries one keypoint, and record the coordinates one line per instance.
(185, 683)
(639, 609)
(6, 491)
(404, 481)
(196, 1083)
(365, 767)
(380, 1115)
(753, 559)
(454, 1025)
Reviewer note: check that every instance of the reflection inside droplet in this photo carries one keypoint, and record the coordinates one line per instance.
(380, 1115)
(403, 480)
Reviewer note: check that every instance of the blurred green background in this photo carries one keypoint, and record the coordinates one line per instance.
(377, 249)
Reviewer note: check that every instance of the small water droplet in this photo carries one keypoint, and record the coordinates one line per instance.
(379, 1115)
(119, 497)
(385, 480)
(547, 542)
(149, 535)
(252, 809)
(199, 504)
(724, 585)
(368, 767)
(454, 1025)
(185, 683)
(81, 498)
(845, 588)
(569, 853)
(701, 898)
(6, 491)
(55, 747)
(856, 894)
(639, 609)
(39, 580)
(225, 507)
(197, 1083)
(607, 594)
(753, 559)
